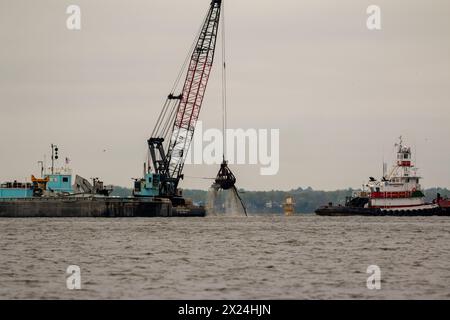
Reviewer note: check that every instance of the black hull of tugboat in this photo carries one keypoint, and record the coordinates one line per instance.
(95, 208)
(338, 211)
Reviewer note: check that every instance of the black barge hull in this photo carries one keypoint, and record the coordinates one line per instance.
(339, 211)
(95, 208)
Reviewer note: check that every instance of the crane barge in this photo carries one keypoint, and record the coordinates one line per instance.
(157, 193)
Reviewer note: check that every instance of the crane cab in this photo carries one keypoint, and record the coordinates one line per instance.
(148, 186)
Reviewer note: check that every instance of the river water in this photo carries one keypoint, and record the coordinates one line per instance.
(260, 257)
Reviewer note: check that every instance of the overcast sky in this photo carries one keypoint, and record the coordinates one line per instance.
(339, 93)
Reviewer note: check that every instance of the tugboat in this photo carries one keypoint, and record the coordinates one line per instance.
(398, 193)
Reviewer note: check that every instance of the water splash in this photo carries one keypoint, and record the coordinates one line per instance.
(223, 197)
(211, 201)
(222, 202)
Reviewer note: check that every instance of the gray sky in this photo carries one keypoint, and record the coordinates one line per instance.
(339, 93)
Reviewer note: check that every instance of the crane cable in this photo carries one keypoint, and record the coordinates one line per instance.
(224, 101)
(224, 84)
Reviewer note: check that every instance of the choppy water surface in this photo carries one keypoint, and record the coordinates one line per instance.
(302, 257)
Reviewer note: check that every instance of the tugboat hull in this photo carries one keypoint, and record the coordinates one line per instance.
(336, 211)
(94, 208)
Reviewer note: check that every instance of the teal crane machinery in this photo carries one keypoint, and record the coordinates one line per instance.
(174, 130)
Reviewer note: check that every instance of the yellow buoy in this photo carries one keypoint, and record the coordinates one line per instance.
(289, 206)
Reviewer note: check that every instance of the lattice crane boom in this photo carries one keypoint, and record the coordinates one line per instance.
(176, 125)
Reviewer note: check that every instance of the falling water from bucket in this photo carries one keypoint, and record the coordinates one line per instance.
(223, 197)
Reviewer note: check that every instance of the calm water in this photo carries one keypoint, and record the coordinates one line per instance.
(304, 257)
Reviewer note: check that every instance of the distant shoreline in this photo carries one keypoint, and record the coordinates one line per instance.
(307, 200)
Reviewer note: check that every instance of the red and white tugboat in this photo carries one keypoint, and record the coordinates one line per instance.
(398, 193)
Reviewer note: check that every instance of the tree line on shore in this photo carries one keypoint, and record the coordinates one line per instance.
(306, 200)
